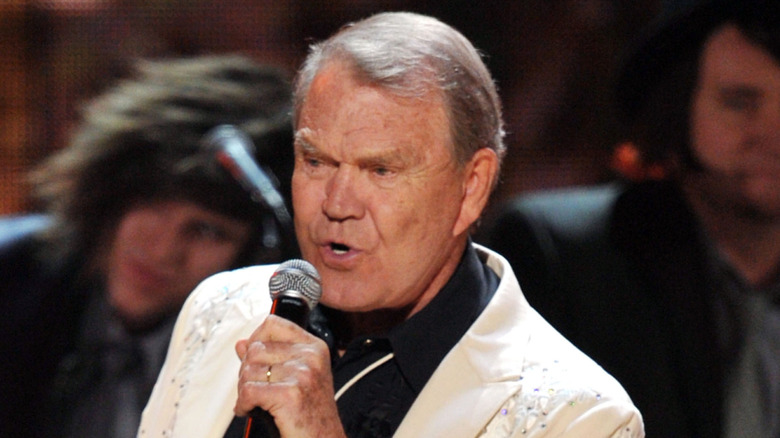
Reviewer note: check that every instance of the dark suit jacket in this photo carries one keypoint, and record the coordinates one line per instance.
(621, 273)
(41, 305)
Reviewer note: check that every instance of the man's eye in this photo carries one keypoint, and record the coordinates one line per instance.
(313, 162)
(381, 171)
(310, 161)
(740, 104)
(207, 231)
(740, 101)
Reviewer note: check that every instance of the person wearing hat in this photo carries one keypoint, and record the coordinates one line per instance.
(671, 280)
(136, 212)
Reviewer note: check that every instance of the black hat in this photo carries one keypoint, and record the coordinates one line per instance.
(677, 35)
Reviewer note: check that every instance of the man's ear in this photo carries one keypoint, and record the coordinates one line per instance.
(479, 175)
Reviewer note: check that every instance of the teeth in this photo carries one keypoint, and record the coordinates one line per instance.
(339, 249)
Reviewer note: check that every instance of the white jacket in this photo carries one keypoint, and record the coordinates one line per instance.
(511, 375)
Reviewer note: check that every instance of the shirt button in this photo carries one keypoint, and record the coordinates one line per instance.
(368, 342)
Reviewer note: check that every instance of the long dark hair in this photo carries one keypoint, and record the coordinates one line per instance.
(142, 141)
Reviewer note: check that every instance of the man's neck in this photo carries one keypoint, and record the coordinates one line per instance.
(750, 243)
(347, 326)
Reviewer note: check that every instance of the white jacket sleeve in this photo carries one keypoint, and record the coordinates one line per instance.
(197, 386)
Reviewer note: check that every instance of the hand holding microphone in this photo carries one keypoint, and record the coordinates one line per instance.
(285, 370)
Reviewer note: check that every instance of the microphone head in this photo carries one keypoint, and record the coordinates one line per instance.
(220, 136)
(296, 277)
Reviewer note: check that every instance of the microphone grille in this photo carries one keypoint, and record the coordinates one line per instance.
(299, 276)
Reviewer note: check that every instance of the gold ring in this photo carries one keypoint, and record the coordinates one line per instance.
(268, 374)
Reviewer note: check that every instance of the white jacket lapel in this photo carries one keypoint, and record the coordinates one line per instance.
(480, 372)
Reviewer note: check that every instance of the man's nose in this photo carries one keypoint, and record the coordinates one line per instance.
(342, 200)
(166, 246)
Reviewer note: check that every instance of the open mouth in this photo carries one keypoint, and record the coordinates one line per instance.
(339, 248)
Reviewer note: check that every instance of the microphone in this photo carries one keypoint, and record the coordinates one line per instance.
(233, 151)
(295, 289)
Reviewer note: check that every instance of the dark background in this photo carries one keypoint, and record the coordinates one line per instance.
(552, 59)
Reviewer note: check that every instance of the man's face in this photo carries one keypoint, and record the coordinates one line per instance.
(161, 251)
(735, 124)
(376, 194)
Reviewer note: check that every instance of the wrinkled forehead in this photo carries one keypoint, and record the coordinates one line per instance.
(339, 94)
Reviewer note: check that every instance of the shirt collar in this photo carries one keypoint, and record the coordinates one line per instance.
(421, 342)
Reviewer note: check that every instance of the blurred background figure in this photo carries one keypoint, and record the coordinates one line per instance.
(137, 211)
(672, 282)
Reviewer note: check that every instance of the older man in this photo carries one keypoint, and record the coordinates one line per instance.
(419, 332)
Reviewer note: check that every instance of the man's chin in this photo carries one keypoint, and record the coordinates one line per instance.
(137, 321)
